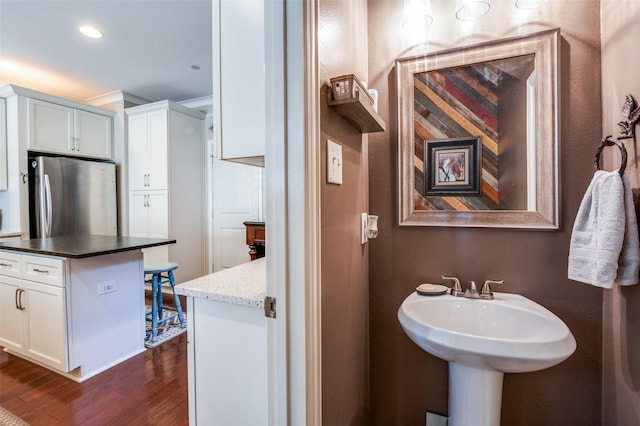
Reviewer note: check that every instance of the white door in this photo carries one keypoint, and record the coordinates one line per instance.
(236, 198)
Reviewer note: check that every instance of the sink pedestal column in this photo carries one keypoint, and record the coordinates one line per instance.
(475, 396)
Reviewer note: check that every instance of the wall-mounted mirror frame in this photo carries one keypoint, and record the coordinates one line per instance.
(542, 208)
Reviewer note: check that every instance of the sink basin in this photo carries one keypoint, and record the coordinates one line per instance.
(511, 333)
(482, 340)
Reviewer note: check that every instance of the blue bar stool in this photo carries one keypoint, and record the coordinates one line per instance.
(157, 316)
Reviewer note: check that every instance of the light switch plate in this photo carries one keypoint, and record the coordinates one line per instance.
(334, 162)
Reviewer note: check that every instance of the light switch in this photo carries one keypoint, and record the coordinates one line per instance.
(334, 162)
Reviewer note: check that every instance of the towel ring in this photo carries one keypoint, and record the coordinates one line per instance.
(609, 141)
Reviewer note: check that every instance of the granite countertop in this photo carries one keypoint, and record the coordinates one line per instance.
(244, 284)
(81, 246)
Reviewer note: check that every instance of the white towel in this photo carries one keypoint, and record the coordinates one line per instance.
(605, 247)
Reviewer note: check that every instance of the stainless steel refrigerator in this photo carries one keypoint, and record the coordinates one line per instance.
(69, 196)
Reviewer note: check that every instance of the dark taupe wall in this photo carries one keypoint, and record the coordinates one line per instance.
(405, 381)
(345, 367)
(621, 344)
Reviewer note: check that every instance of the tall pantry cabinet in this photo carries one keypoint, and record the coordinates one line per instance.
(166, 150)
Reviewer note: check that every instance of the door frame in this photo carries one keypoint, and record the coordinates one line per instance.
(292, 199)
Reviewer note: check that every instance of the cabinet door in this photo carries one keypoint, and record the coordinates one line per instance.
(13, 320)
(3, 145)
(93, 135)
(138, 214)
(50, 127)
(138, 147)
(148, 218)
(158, 213)
(241, 88)
(46, 332)
(148, 214)
(157, 164)
(148, 167)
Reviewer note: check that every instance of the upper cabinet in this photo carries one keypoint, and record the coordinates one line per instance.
(3, 145)
(62, 129)
(148, 150)
(239, 80)
(41, 122)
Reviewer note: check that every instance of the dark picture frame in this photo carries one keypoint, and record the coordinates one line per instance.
(453, 167)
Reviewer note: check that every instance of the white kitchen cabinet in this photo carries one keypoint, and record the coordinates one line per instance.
(227, 347)
(54, 310)
(3, 145)
(239, 80)
(148, 150)
(65, 130)
(166, 168)
(148, 218)
(33, 311)
(27, 132)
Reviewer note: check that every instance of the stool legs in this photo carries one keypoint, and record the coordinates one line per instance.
(156, 304)
(157, 307)
(176, 300)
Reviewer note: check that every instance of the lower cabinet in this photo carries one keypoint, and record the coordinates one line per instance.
(149, 218)
(33, 320)
(227, 347)
(76, 316)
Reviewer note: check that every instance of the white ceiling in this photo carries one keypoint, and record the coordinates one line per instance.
(147, 50)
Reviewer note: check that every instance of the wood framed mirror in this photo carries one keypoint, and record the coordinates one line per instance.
(505, 93)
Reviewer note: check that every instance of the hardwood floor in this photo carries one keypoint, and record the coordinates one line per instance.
(149, 389)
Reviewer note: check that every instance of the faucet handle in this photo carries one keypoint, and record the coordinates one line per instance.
(456, 290)
(486, 292)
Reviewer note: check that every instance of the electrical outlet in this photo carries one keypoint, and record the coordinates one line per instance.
(364, 228)
(436, 420)
(107, 287)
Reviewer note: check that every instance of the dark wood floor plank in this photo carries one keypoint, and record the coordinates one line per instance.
(149, 389)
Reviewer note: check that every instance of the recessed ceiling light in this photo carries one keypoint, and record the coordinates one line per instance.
(90, 31)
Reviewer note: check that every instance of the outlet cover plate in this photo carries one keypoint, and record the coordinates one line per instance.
(334, 162)
(107, 287)
(364, 228)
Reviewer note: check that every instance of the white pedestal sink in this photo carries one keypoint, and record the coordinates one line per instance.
(482, 340)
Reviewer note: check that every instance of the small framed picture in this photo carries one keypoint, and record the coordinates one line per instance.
(453, 167)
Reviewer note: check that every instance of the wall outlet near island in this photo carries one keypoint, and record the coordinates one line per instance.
(107, 287)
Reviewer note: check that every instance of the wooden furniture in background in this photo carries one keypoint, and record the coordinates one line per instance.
(256, 239)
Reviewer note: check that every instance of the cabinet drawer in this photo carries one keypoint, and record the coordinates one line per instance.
(44, 270)
(10, 264)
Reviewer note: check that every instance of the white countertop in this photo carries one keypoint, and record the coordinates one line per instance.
(244, 284)
(5, 234)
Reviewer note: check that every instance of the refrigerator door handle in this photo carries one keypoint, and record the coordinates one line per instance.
(46, 222)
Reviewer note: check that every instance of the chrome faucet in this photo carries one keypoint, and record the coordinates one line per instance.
(472, 291)
(485, 292)
(456, 290)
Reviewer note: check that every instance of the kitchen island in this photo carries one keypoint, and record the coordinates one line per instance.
(74, 304)
(227, 346)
